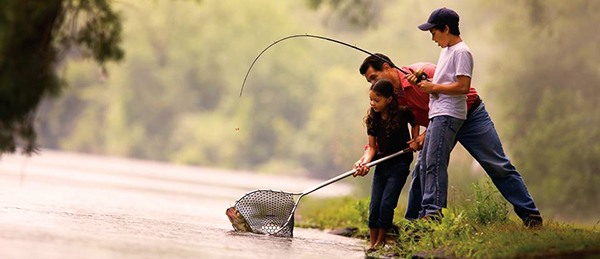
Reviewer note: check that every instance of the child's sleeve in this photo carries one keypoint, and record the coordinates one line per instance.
(371, 131)
(464, 63)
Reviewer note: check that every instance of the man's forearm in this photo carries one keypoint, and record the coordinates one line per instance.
(415, 132)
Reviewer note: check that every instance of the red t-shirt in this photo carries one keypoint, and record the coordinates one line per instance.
(418, 101)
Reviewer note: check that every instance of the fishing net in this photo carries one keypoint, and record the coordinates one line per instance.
(268, 211)
(272, 212)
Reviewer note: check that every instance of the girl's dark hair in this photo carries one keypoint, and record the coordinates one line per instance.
(373, 120)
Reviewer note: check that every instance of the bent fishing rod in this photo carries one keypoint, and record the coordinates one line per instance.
(420, 75)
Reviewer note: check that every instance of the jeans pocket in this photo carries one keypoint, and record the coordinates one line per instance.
(454, 124)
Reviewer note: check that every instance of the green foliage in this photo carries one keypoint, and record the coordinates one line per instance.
(334, 213)
(175, 97)
(458, 236)
(477, 229)
(25, 68)
(320, 135)
(439, 236)
(549, 93)
(458, 231)
(488, 206)
(34, 37)
(356, 13)
(512, 240)
(91, 26)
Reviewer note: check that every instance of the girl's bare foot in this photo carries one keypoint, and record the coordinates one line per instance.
(372, 249)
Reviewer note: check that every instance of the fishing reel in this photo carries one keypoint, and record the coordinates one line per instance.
(421, 75)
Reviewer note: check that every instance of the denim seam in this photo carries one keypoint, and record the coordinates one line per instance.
(437, 163)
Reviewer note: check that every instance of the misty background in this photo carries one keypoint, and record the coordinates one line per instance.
(175, 95)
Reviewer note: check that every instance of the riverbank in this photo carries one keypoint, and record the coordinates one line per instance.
(479, 225)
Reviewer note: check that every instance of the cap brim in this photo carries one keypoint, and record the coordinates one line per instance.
(426, 26)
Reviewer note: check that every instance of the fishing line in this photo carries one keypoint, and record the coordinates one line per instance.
(314, 37)
(420, 74)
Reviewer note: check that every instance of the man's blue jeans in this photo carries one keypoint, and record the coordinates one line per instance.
(479, 137)
(415, 196)
(388, 180)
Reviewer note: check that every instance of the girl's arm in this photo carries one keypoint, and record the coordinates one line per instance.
(371, 150)
(360, 166)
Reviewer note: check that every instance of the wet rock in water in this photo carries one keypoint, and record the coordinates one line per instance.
(348, 232)
(237, 221)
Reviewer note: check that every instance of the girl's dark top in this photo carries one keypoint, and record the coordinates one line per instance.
(392, 138)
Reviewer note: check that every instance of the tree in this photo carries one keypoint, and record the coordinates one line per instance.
(34, 37)
(549, 89)
(359, 14)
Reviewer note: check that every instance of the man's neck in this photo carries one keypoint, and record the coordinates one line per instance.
(396, 81)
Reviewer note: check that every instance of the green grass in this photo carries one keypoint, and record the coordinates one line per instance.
(334, 213)
(478, 226)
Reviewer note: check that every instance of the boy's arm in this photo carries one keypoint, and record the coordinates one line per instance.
(462, 86)
(463, 71)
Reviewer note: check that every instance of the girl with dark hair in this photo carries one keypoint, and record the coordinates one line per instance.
(387, 129)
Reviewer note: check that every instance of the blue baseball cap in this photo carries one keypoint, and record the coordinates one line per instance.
(440, 16)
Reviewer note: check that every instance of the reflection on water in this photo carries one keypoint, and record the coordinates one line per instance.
(61, 205)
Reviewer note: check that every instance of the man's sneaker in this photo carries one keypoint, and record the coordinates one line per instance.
(533, 221)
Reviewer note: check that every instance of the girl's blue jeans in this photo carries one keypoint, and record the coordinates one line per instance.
(388, 180)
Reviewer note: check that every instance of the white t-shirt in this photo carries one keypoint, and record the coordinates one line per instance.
(454, 61)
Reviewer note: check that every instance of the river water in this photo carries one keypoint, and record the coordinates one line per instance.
(68, 205)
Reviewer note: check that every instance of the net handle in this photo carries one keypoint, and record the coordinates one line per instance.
(349, 173)
(333, 180)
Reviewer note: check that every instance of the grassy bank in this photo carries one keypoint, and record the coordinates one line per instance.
(477, 226)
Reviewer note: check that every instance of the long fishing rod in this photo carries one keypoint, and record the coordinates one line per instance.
(420, 75)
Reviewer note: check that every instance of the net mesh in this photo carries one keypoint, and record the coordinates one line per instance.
(266, 211)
